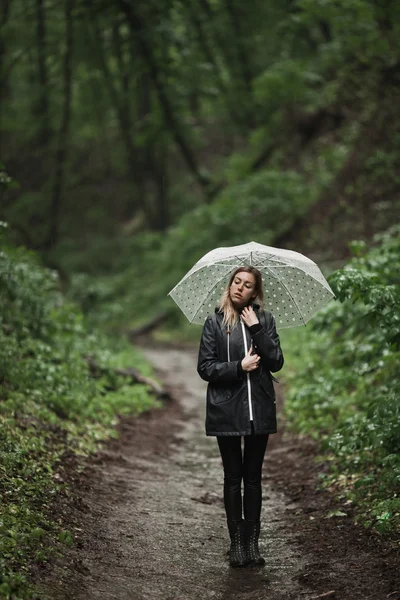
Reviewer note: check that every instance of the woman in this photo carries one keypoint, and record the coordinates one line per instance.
(239, 348)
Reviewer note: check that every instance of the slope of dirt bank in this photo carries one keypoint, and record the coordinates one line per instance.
(149, 523)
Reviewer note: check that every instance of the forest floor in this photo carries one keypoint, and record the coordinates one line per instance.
(148, 519)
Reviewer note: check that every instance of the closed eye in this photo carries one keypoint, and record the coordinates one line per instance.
(238, 281)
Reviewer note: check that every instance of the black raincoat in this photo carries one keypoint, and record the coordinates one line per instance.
(235, 397)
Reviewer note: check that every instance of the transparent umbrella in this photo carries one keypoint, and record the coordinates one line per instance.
(294, 287)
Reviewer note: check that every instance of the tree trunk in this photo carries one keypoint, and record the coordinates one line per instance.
(208, 54)
(162, 216)
(123, 116)
(97, 370)
(121, 104)
(241, 54)
(122, 66)
(135, 24)
(243, 60)
(42, 111)
(5, 13)
(243, 117)
(63, 139)
(148, 172)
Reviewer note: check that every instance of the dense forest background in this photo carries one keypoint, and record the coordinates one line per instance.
(142, 134)
(135, 137)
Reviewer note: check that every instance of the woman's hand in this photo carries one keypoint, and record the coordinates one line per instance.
(250, 361)
(249, 317)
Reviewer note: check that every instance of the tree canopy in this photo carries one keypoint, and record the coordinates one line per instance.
(121, 117)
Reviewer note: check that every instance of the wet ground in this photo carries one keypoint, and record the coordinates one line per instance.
(148, 518)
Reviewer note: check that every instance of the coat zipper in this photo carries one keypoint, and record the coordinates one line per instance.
(247, 374)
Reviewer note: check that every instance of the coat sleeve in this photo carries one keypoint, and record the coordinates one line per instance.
(268, 345)
(208, 366)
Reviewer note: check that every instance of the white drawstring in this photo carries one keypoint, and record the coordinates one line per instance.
(228, 334)
(247, 374)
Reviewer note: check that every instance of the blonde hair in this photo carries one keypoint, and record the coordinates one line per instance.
(231, 316)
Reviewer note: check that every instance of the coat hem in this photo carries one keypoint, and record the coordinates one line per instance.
(233, 433)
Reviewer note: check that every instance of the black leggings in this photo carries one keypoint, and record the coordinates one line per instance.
(247, 467)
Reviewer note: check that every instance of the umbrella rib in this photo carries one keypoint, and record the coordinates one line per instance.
(210, 292)
(288, 291)
(303, 270)
(241, 259)
(204, 266)
(224, 264)
(269, 260)
(219, 264)
(213, 263)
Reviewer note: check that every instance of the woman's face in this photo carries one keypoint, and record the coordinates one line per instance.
(242, 289)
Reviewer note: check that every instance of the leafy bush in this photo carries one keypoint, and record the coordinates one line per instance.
(347, 391)
(50, 406)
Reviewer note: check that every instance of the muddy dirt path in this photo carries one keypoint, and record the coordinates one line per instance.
(149, 522)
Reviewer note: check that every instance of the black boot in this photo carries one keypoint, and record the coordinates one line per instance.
(237, 552)
(253, 555)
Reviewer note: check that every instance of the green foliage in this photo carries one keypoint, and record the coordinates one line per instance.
(51, 407)
(358, 30)
(345, 383)
(229, 76)
(285, 85)
(270, 103)
(261, 207)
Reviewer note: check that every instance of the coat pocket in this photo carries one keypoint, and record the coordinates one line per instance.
(268, 387)
(221, 394)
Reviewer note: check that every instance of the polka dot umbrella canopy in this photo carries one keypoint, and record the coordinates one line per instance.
(294, 287)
